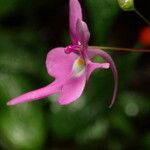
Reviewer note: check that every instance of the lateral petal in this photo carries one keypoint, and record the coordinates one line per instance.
(36, 94)
(58, 63)
(92, 66)
(72, 90)
(92, 52)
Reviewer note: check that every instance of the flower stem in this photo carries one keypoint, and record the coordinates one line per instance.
(121, 49)
(141, 16)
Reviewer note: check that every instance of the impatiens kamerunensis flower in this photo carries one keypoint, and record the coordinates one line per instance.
(71, 66)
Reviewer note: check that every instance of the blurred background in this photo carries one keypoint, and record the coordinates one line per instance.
(28, 30)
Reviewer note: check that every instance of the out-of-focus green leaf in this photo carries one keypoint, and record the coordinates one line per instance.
(15, 57)
(97, 131)
(21, 127)
(134, 104)
(56, 121)
(101, 14)
(145, 141)
(6, 6)
(122, 125)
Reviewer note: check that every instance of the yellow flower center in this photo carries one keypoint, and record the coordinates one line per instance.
(80, 62)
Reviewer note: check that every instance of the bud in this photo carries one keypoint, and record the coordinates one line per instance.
(126, 5)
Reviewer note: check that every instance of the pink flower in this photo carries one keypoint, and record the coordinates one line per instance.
(71, 66)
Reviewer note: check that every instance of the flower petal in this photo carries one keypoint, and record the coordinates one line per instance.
(72, 90)
(83, 33)
(92, 66)
(36, 94)
(58, 63)
(75, 14)
(95, 51)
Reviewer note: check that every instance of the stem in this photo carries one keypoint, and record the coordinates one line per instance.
(121, 49)
(141, 16)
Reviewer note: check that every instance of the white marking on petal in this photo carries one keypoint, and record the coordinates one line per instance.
(79, 66)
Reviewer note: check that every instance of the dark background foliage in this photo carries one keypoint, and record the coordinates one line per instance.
(28, 30)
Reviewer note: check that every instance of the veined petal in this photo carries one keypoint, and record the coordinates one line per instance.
(72, 90)
(83, 33)
(75, 14)
(95, 51)
(59, 64)
(36, 94)
(92, 66)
